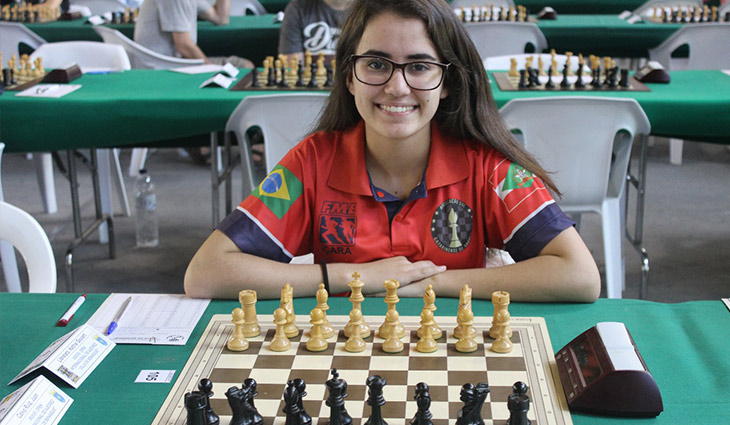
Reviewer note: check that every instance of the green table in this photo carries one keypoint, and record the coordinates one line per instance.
(139, 107)
(255, 37)
(685, 347)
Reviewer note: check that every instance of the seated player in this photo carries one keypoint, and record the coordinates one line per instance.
(312, 25)
(411, 175)
(169, 27)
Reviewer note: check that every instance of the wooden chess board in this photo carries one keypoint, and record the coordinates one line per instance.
(505, 82)
(245, 83)
(445, 371)
(24, 82)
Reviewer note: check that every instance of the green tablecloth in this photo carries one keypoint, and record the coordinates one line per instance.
(140, 107)
(685, 347)
(255, 37)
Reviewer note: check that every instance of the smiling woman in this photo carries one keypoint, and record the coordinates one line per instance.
(411, 175)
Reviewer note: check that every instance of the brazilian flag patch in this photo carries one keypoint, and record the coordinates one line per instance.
(279, 190)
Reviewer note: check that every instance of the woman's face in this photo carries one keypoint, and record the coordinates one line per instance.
(395, 110)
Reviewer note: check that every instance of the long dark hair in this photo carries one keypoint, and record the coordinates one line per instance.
(468, 112)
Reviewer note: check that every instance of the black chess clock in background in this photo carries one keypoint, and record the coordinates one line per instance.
(602, 372)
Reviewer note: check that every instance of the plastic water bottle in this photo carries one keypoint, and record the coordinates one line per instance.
(148, 234)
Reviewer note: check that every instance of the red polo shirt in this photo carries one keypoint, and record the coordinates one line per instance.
(319, 199)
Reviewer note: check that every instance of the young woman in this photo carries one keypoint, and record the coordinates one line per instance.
(410, 175)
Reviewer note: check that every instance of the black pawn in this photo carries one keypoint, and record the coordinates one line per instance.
(596, 82)
(328, 82)
(565, 84)
(254, 77)
(423, 401)
(579, 84)
(195, 403)
(205, 386)
(375, 400)
(300, 75)
(337, 389)
(624, 81)
(550, 84)
(282, 82)
(523, 79)
(518, 404)
(291, 404)
(301, 386)
(313, 77)
(249, 385)
(271, 78)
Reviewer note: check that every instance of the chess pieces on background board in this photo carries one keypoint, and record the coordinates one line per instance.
(21, 74)
(289, 74)
(27, 12)
(491, 13)
(687, 14)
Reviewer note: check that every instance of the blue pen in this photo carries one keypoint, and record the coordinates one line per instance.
(115, 321)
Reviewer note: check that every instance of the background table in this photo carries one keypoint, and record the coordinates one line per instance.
(255, 37)
(685, 346)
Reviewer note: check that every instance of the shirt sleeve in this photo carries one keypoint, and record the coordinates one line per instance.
(291, 38)
(274, 222)
(175, 15)
(522, 216)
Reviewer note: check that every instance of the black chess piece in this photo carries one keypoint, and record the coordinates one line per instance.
(282, 71)
(550, 84)
(611, 77)
(530, 77)
(291, 404)
(271, 78)
(518, 404)
(301, 386)
(337, 389)
(300, 75)
(237, 399)
(565, 83)
(523, 79)
(579, 84)
(423, 401)
(254, 77)
(375, 400)
(249, 384)
(596, 74)
(473, 398)
(328, 82)
(6, 77)
(205, 386)
(195, 403)
(624, 81)
(313, 77)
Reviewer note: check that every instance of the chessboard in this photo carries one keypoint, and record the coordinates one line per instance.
(445, 371)
(686, 15)
(505, 82)
(263, 84)
(23, 82)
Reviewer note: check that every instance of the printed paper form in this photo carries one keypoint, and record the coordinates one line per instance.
(727, 302)
(160, 319)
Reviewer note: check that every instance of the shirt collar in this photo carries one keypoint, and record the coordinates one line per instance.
(446, 163)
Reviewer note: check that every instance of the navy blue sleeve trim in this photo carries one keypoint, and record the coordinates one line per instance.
(249, 237)
(538, 232)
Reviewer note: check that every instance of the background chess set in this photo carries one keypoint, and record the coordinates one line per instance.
(445, 371)
(687, 15)
(491, 13)
(313, 78)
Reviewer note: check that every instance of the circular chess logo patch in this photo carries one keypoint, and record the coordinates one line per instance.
(451, 226)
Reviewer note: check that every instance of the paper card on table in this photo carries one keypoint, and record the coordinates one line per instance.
(49, 90)
(218, 80)
(727, 302)
(198, 69)
(727, 72)
(634, 19)
(37, 402)
(96, 20)
(160, 319)
(231, 70)
(625, 14)
(73, 356)
(155, 376)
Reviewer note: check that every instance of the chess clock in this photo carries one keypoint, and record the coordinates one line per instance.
(602, 372)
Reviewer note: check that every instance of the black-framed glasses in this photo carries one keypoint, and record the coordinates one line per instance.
(419, 75)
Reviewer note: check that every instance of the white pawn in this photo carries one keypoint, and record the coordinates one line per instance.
(502, 344)
(238, 341)
(355, 343)
(316, 340)
(426, 343)
(279, 342)
(466, 342)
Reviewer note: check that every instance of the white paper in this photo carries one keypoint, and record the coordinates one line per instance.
(49, 90)
(726, 72)
(634, 19)
(198, 69)
(218, 80)
(73, 356)
(96, 20)
(727, 302)
(37, 402)
(625, 14)
(231, 70)
(155, 376)
(150, 318)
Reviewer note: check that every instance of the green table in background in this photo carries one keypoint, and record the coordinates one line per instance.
(685, 347)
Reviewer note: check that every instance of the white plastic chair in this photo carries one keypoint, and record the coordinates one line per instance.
(284, 119)
(90, 56)
(141, 58)
(98, 7)
(647, 9)
(7, 253)
(722, 10)
(23, 231)
(243, 7)
(588, 158)
(709, 48)
(505, 38)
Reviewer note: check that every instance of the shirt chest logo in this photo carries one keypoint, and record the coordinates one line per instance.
(451, 225)
(338, 226)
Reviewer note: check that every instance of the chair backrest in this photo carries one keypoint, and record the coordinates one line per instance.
(88, 55)
(23, 231)
(245, 7)
(584, 141)
(709, 47)
(97, 7)
(470, 3)
(284, 119)
(722, 10)
(14, 33)
(139, 56)
(496, 63)
(505, 38)
(647, 8)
